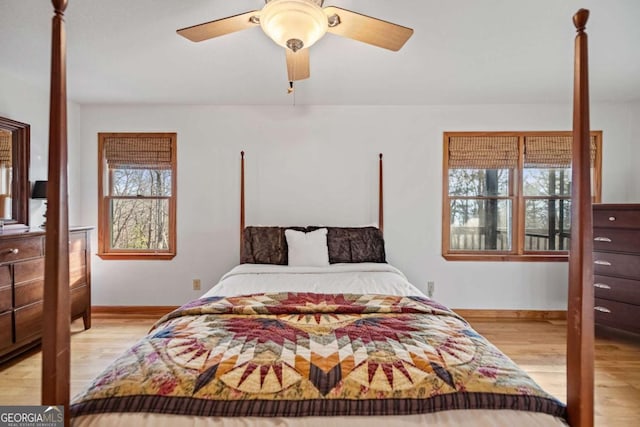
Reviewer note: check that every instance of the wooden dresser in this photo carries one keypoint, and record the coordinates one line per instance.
(22, 286)
(616, 257)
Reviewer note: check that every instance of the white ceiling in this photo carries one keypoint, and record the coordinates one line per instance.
(462, 51)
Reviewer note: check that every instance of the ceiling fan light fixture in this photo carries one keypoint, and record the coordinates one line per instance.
(300, 20)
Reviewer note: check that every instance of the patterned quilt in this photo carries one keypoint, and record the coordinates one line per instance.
(305, 354)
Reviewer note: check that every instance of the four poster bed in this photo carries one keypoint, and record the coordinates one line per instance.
(314, 323)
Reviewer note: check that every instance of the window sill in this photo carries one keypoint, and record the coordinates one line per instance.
(154, 256)
(507, 257)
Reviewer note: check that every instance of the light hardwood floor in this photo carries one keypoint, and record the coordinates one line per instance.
(537, 346)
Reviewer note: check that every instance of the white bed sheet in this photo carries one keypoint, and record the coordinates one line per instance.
(362, 278)
(337, 278)
(469, 417)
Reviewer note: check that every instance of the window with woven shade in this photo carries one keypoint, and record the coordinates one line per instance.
(5, 148)
(6, 173)
(137, 195)
(507, 195)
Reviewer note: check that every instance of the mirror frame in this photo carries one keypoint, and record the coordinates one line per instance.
(20, 185)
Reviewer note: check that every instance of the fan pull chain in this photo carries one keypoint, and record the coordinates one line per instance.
(291, 90)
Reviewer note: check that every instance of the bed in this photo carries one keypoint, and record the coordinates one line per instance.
(309, 329)
(579, 410)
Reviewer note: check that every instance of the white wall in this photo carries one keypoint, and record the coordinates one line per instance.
(26, 103)
(634, 143)
(318, 165)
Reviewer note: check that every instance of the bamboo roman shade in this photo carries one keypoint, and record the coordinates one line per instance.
(550, 151)
(138, 152)
(5, 148)
(483, 152)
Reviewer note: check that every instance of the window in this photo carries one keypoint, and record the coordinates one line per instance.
(137, 195)
(507, 195)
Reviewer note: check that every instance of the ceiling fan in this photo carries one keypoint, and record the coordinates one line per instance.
(297, 24)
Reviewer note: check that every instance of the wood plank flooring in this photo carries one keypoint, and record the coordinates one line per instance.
(537, 346)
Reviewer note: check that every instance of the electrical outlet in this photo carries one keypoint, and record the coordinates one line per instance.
(431, 287)
(196, 284)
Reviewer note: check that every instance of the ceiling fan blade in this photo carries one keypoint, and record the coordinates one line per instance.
(220, 27)
(367, 29)
(298, 64)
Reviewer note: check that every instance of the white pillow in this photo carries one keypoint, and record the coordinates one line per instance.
(308, 249)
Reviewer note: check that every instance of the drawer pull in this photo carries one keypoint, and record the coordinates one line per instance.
(602, 309)
(612, 218)
(12, 251)
(601, 286)
(602, 239)
(601, 262)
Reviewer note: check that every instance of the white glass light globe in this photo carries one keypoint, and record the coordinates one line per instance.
(285, 20)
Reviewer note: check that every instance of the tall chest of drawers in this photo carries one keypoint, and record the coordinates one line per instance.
(22, 286)
(616, 257)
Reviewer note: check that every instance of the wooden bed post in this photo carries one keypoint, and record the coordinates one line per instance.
(241, 200)
(580, 327)
(56, 312)
(380, 196)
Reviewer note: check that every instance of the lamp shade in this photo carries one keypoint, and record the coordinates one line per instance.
(39, 190)
(294, 24)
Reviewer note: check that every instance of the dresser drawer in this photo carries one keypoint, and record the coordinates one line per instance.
(29, 281)
(28, 322)
(29, 292)
(5, 275)
(5, 298)
(6, 329)
(616, 239)
(617, 289)
(17, 249)
(617, 314)
(27, 271)
(619, 265)
(616, 218)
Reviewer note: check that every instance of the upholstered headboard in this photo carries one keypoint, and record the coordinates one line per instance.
(268, 245)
